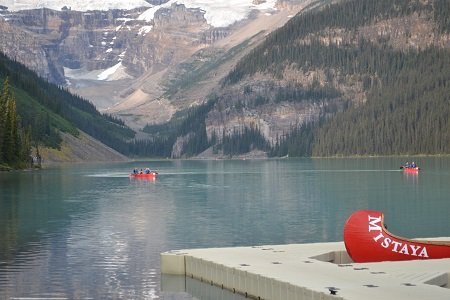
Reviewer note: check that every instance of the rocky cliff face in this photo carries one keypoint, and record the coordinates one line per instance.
(176, 33)
(65, 39)
(26, 47)
(48, 41)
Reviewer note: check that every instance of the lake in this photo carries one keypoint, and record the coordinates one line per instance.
(91, 232)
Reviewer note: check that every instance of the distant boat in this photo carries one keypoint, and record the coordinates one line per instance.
(367, 240)
(151, 175)
(409, 169)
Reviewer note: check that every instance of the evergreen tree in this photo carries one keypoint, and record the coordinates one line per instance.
(26, 147)
(14, 143)
(2, 116)
(9, 128)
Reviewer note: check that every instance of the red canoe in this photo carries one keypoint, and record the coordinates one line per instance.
(367, 240)
(411, 170)
(150, 175)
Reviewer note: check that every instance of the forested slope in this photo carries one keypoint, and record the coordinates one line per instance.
(358, 77)
(406, 87)
(43, 109)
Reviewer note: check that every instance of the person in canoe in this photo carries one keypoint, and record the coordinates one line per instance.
(408, 165)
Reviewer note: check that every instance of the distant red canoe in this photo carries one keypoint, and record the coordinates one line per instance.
(367, 240)
(411, 170)
(150, 175)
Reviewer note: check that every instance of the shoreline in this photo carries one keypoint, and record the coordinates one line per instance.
(48, 163)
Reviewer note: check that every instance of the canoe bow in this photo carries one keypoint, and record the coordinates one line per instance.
(367, 239)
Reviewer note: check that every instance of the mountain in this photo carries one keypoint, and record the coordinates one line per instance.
(355, 77)
(125, 60)
(217, 14)
(297, 78)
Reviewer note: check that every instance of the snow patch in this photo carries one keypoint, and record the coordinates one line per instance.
(116, 72)
(105, 75)
(80, 74)
(144, 30)
(149, 14)
(217, 13)
(124, 20)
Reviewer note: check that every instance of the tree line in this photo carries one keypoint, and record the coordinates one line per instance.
(15, 141)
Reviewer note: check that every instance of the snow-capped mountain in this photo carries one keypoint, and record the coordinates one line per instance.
(125, 56)
(110, 46)
(217, 13)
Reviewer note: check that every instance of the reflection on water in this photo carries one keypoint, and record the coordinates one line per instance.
(90, 231)
(411, 178)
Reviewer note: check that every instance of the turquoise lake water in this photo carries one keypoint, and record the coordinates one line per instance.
(91, 232)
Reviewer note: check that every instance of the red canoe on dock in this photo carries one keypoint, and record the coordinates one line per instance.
(367, 240)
